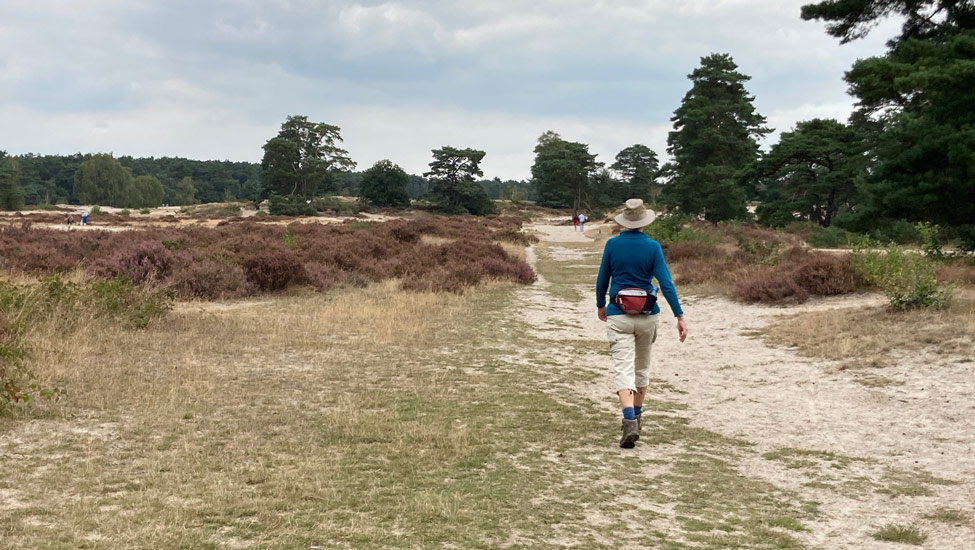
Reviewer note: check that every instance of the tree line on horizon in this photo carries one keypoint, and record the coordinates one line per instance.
(906, 153)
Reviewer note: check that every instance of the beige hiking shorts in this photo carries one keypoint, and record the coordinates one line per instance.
(630, 339)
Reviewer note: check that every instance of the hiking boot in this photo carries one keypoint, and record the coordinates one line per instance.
(631, 432)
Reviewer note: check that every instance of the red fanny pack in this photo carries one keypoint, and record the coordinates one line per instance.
(636, 301)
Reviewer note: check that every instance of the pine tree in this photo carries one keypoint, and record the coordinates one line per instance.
(714, 139)
(11, 192)
(919, 94)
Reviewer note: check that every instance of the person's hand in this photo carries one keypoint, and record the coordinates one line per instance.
(681, 328)
(601, 313)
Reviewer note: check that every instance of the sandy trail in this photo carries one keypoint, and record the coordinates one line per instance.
(738, 386)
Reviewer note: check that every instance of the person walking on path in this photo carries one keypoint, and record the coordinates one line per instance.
(575, 223)
(84, 217)
(630, 261)
(582, 222)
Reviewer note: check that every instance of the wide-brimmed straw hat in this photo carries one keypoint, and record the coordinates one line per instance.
(635, 215)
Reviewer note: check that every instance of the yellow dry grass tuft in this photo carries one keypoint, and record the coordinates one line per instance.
(869, 336)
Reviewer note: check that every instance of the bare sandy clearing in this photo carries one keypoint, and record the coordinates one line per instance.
(772, 397)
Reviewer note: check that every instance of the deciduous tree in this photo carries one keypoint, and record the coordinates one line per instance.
(102, 180)
(146, 192)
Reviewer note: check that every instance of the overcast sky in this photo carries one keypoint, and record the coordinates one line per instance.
(214, 79)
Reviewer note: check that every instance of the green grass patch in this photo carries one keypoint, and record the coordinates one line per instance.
(907, 534)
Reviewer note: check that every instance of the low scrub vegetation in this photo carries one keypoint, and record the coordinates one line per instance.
(908, 280)
(244, 257)
(756, 264)
(59, 306)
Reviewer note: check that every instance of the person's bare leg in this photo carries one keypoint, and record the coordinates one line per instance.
(639, 396)
(626, 398)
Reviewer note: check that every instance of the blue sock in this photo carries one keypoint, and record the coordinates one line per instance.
(637, 411)
(628, 413)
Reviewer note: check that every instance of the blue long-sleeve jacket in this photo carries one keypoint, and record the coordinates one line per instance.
(632, 259)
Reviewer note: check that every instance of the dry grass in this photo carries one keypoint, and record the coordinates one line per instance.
(874, 336)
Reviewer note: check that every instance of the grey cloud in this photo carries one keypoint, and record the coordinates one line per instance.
(551, 60)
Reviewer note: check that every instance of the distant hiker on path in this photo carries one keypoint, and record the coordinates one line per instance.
(69, 220)
(84, 217)
(582, 222)
(575, 223)
(630, 261)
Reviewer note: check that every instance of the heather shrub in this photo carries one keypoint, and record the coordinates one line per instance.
(675, 253)
(124, 212)
(405, 233)
(503, 269)
(273, 268)
(242, 256)
(141, 262)
(823, 275)
(775, 286)
(208, 279)
(145, 211)
(321, 276)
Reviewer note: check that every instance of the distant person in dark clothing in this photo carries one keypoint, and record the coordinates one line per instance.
(630, 261)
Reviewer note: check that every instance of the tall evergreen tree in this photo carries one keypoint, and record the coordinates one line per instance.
(299, 160)
(453, 181)
(714, 139)
(11, 192)
(562, 173)
(920, 93)
(811, 173)
(638, 168)
(385, 185)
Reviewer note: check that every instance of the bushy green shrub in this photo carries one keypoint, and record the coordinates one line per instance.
(897, 231)
(290, 205)
(830, 237)
(908, 280)
(677, 229)
(965, 237)
(124, 212)
(334, 205)
(95, 211)
(145, 211)
(930, 239)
